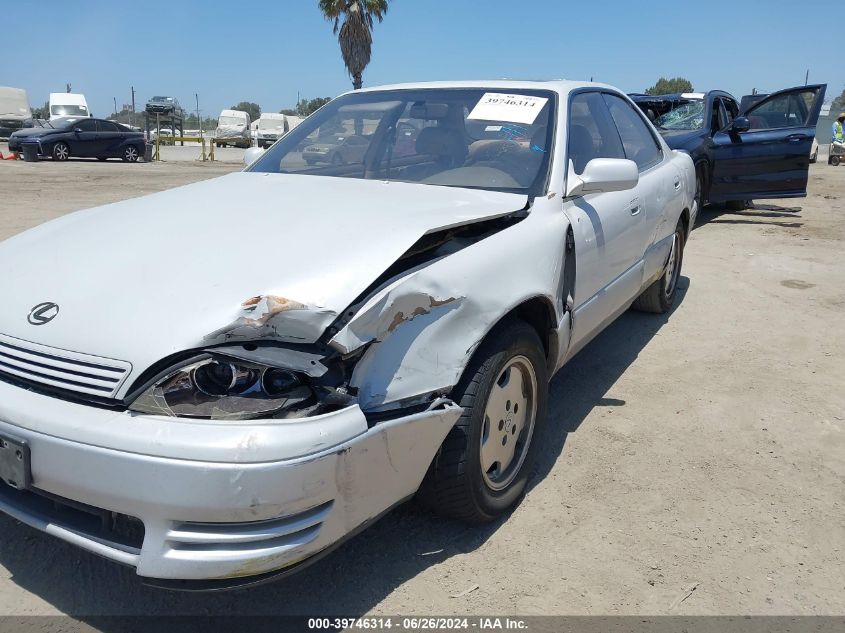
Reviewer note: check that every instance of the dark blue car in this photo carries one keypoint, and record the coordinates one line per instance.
(81, 138)
(761, 151)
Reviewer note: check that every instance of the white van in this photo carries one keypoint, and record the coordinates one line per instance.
(68, 104)
(232, 129)
(271, 127)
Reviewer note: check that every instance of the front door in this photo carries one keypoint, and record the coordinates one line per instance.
(608, 227)
(765, 152)
(85, 141)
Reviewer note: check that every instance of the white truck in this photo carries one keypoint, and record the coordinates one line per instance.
(68, 104)
(233, 129)
(14, 110)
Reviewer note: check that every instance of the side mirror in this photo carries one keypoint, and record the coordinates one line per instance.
(251, 155)
(740, 124)
(604, 174)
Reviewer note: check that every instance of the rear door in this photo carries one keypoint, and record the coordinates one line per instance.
(771, 158)
(109, 138)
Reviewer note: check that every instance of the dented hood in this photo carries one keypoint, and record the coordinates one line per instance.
(145, 278)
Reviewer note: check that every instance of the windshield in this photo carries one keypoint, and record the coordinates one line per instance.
(687, 116)
(165, 99)
(231, 120)
(68, 110)
(473, 138)
(270, 124)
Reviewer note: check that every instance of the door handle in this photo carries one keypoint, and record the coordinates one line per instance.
(794, 138)
(635, 210)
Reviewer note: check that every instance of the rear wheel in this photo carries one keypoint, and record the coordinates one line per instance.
(61, 151)
(659, 296)
(130, 154)
(834, 160)
(484, 464)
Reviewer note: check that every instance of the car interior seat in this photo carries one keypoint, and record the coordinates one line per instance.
(444, 148)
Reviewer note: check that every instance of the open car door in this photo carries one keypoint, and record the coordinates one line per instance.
(765, 151)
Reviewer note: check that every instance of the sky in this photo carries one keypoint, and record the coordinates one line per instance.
(271, 51)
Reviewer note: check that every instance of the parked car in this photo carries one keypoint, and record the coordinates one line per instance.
(756, 150)
(166, 106)
(398, 341)
(338, 150)
(14, 111)
(82, 138)
(65, 104)
(233, 129)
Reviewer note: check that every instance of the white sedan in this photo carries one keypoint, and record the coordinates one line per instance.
(219, 383)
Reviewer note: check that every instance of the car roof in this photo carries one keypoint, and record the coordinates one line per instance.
(560, 86)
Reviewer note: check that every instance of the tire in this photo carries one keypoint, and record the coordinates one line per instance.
(659, 296)
(736, 205)
(457, 485)
(699, 189)
(61, 151)
(814, 157)
(131, 154)
(834, 160)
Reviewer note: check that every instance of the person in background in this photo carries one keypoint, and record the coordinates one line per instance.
(839, 130)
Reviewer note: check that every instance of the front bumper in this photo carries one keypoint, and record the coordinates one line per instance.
(272, 504)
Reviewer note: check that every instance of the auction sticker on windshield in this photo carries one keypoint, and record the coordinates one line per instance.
(496, 106)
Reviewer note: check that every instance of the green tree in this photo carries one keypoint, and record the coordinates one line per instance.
(355, 33)
(670, 86)
(42, 112)
(252, 109)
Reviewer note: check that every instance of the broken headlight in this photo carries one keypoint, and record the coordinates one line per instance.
(225, 388)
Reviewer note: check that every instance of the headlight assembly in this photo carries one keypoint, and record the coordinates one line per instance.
(220, 387)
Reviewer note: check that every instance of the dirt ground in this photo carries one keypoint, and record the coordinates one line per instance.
(695, 462)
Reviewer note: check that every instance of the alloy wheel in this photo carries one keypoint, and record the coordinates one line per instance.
(509, 420)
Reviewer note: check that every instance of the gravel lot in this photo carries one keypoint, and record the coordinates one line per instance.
(699, 455)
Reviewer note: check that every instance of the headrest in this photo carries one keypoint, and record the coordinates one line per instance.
(441, 142)
(429, 111)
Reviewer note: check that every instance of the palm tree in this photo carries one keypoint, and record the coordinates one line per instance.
(356, 33)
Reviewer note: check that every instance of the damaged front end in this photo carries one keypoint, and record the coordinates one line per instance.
(251, 369)
(250, 381)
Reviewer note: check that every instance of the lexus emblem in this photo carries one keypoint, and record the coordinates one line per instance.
(43, 313)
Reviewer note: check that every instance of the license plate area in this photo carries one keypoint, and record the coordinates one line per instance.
(14, 462)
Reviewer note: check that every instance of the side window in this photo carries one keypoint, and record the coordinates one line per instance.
(86, 125)
(591, 131)
(638, 141)
(106, 126)
(731, 108)
(787, 110)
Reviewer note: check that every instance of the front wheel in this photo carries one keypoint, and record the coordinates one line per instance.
(130, 154)
(660, 295)
(61, 151)
(834, 160)
(484, 464)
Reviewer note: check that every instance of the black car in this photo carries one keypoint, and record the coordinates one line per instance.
(166, 106)
(758, 150)
(82, 137)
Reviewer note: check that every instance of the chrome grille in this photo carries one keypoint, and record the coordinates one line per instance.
(73, 371)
